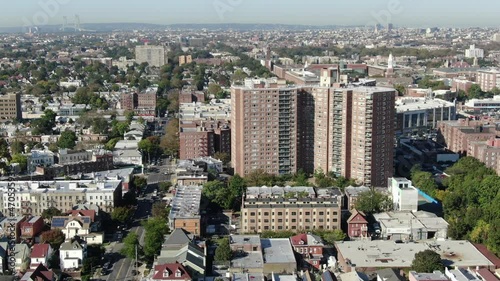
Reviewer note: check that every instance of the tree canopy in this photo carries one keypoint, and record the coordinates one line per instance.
(51, 212)
(67, 139)
(223, 251)
(55, 237)
(427, 261)
(371, 202)
(121, 214)
(155, 229)
(129, 244)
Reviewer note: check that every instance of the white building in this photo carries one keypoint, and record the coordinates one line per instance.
(404, 195)
(40, 254)
(72, 254)
(36, 196)
(460, 274)
(127, 157)
(484, 104)
(407, 226)
(40, 158)
(474, 52)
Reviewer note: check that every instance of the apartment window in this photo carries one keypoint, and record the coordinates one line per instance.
(252, 213)
(321, 213)
(294, 220)
(266, 213)
(293, 213)
(308, 213)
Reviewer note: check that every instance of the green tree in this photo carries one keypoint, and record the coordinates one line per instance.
(110, 145)
(100, 126)
(223, 156)
(155, 229)
(130, 242)
(223, 251)
(121, 214)
(427, 261)
(21, 159)
(50, 212)
(17, 147)
(170, 142)
(401, 89)
(160, 210)
(371, 202)
(332, 236)
(165, 186)
(425, 182)
(55, 237)
(67, 139)
(4, 149)
(45, 124)
(217, 192)
(140, 183)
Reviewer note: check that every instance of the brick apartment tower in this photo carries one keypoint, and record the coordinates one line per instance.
(345, 130)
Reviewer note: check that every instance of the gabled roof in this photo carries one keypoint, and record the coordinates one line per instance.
(83, 213)
(177, 237)
(70, 246)
(172, 269)
(40, 251)
(40, 273)
(361, 218)
(299, 239)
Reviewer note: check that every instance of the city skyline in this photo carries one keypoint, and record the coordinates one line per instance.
(445, 13)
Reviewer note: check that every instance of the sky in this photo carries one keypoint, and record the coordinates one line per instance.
(410, 13)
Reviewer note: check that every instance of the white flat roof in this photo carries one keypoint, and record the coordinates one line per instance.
(383, 253)
(415, 104)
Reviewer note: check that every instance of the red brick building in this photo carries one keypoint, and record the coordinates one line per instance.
(310, 247)
(31, 227)
(203, 138)
(357, 225)
(128, 101)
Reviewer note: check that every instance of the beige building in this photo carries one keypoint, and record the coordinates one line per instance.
(34, 197)
(290, 208)
(153, 55)
(10, 107)
(488, 79)
(342, 129)
(185, 60)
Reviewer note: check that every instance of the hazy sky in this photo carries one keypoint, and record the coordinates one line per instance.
(421, 13)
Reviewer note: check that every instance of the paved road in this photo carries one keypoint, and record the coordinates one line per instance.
(122, 269)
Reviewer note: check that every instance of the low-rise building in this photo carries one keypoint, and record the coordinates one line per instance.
(357, 225)
(290, 208)
(170, 272)
(71, 255)
(278, 256)
(460, 274)
(352, 193)
(180, 248)
(421, 114)
(185, 209)
(33, 197)
(411, 226)
(22, 257)
(6, 224)
(31, 227)
(40, 158)
(378, 254)
(434, 276)
(40, 254)
(39, 273)
(457, 135)
(310, 248)
(389, 274)
(404, 194)
(487, 152)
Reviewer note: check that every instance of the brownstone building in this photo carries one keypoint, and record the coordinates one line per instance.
(342, 129)
(290, 208)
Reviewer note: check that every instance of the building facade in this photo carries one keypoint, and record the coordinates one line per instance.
(10, 107)
(488, 79)
(458, 135)
(345, 130)
(153, 55)
(290, 208)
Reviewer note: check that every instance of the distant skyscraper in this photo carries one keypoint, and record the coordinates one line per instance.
(389, 27)
(348, 131)
(153, 55)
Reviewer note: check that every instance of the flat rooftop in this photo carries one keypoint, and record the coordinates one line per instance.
(277, 191)
(248, 260)
(186, 202)
(415, 104)
(278, 250)
(383, 253)
(248, 277)
(236, 240)
(355, 190)
(61, 186)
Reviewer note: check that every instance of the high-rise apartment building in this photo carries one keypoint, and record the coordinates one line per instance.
(488, 79)
(342, 129)
(153, 55)
(10, 106)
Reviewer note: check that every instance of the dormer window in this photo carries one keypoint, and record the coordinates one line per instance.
(166, 273)
(178, 273)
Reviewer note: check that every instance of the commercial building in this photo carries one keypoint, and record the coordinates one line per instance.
(409, 226)
(488, 79)
(346, 130)
(10, 107)
(290, 208)
(34, 197)
(421, 114)
(474, 52)
(153, 55)
(458, 135)
(404, 194)
(255, 255)
(483, 105)
(185, 211)
(377, 254)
